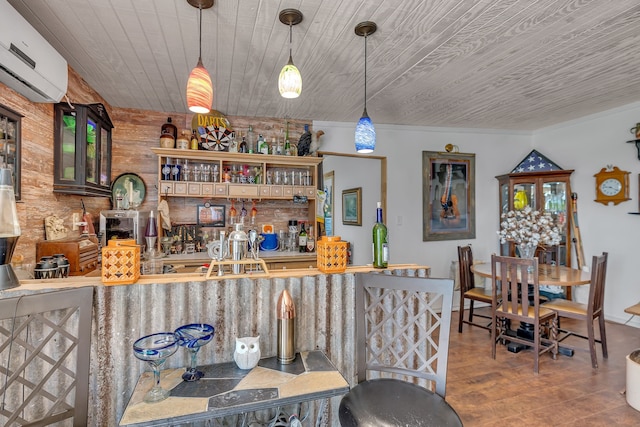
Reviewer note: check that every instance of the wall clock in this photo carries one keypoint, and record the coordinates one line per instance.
(612, 185)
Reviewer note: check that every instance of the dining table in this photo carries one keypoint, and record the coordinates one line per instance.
(552, 275)
(548, 274)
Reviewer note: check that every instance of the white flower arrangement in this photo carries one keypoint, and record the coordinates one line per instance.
(529, 228)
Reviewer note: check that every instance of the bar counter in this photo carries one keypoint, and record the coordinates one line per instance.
(236, 306)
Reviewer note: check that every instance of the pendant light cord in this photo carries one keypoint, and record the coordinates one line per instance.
(200, 33)
(365, 73)
(290, 40)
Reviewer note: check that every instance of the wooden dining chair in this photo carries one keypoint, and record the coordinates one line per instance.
(594, 309)
(548, 254)
(468, 290)
(509, 276)
(402, 346)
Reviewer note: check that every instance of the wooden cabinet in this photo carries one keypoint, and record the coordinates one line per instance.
(548, 191)
(82, 144)
(213, 174)
(10, 127)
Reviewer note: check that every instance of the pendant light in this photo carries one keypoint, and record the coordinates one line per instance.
(290, 80)
(365, 132)
(199, 86)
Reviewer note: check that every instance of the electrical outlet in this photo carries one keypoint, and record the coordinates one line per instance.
(75, 220)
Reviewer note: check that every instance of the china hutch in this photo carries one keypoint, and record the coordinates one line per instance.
(82, 144)
(549, 191)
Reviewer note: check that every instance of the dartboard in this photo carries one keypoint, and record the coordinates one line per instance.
(215, 138)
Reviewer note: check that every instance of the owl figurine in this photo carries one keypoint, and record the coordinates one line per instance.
(247, 353)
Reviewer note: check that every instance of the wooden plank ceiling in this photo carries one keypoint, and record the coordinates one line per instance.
(502, 64)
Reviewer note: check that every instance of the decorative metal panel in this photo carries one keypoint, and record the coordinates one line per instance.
(44, 364)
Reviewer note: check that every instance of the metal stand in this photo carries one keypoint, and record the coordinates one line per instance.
(252, 268)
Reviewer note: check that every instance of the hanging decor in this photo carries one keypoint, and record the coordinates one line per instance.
(199, 86)
(365, 132)
(290, 80)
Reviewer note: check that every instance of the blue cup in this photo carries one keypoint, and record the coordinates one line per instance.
(270, 242)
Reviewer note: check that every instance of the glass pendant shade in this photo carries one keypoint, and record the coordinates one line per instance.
(290, 81)
(365, 135)
(199, 90)
(9, 230)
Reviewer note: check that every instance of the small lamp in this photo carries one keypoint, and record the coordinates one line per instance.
(199, 86)
(365, 132)
(290, 80)
(9, 230)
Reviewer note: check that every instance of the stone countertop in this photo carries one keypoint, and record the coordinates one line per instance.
(225, 389)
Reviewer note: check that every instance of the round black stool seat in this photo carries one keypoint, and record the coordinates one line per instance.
(388, 402)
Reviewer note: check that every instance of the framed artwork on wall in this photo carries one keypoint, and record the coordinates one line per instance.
(211, 215)
(328, 186)
(448, 196)
(352, 206)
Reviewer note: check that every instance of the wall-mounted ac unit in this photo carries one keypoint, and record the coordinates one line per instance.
(28, 63)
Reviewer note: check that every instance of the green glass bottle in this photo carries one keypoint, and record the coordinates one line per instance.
(380, 244)
(302, 239)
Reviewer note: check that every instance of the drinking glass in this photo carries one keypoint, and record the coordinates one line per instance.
(192, 337)
(154, 349)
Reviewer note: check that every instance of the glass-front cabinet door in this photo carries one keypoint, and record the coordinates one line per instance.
(10, 126)
(548, 191)
(82, 150)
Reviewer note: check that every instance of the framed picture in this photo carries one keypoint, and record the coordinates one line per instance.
(127, 191)
(328, 185)
(328, 189)
(448, 196)
(352, 206)
(211, 215)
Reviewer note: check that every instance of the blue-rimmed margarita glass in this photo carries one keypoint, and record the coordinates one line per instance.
(192, 337)
(154, 349)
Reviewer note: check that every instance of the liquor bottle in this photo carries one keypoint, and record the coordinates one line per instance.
(195, 141)
(380, 244)
(311, 243)
(287, 147)
(170, 128)
(263, 147)
(233, 143)
(302, 238)
(243, 145)
(251, 141)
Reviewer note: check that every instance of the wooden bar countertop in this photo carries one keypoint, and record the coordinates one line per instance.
(79, 281)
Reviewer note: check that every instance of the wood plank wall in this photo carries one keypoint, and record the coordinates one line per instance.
(135, 132)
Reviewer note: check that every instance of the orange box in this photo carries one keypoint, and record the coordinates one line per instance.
(332, 254)
(120, 262)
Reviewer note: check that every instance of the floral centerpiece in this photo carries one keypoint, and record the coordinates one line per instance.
(528, 229)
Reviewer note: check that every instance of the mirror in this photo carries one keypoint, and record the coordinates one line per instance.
(353, 171)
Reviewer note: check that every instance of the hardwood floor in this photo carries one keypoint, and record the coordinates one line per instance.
(566, 392)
